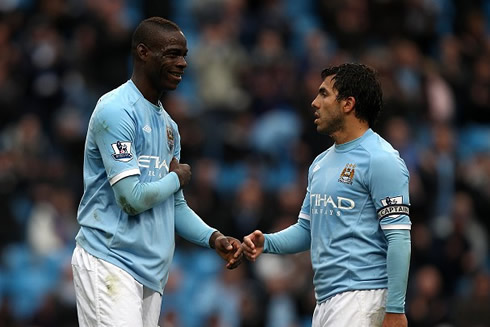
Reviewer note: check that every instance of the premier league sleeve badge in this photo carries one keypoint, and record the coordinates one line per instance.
(122, 151)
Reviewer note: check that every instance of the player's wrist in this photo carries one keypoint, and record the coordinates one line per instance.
(214, 237)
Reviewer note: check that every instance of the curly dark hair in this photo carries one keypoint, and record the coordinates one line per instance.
(360, 82)
(145, 31)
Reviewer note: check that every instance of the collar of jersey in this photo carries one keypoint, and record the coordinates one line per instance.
(158, 109)
(344, 147)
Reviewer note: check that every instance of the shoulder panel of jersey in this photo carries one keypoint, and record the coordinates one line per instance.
(114, 114)
(388, 183)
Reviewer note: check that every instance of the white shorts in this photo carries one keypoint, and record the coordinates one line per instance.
(354, 308)
(109, 296)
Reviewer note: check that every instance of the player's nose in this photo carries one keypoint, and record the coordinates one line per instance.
(182, 63)
(315, 104)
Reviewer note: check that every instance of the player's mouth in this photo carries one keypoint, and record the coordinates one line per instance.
(177, 75)
(317, 118)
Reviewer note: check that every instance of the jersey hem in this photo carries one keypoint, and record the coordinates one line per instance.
(115, 262)
(321, 300)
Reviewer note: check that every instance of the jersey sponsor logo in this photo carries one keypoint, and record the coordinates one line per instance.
(393, 207)
(324, 204)
(347, 174)
(122, 151)
(154, 164)
(316, 168)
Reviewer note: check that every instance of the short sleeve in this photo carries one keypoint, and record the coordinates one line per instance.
(388, 185)
(114, 133)
(305, 212)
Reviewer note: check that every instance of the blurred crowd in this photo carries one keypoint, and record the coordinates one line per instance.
(244, 115)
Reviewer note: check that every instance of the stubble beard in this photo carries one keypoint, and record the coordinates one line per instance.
(335, 124)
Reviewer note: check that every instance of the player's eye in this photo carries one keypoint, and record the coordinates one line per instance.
(174, 55)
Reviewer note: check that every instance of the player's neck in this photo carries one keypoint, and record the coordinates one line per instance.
(145, 88)
(349, 132)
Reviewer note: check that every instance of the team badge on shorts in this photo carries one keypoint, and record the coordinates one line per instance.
(393, 207)
(347, 174)
(122, 151)
(170, 138)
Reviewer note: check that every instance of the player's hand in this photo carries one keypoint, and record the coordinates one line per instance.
(229, 248)
(253, 245)
(395, 320)
(183, 171)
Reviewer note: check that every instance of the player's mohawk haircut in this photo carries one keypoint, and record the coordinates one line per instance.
(145, 31)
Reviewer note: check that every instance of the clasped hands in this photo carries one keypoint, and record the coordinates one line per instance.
(229, 248)
(232, 250)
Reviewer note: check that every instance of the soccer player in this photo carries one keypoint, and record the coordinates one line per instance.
(133, 203)
(355, 215)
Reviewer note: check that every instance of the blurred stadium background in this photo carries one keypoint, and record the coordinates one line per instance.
(244, 114)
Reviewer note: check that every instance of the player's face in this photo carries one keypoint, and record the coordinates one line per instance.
(329, 117)
(167, 62)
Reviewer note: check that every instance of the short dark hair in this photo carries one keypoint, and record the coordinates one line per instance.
(361, 82)
(145, 31)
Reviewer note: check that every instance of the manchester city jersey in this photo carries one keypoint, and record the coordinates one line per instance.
(128, 135)
(355, 190)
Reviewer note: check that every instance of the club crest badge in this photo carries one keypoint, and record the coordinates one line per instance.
(122, 151)
(347, 174)
(170, 138)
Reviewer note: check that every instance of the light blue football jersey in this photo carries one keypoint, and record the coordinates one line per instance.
(128, 135)
(355, 190)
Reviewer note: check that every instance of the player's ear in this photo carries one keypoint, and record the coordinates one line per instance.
(349, 104)
(142, 51)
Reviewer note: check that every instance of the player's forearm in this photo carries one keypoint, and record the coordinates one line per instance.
(398, 263)
(189, 225)
(296, 238)
(135, 197)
